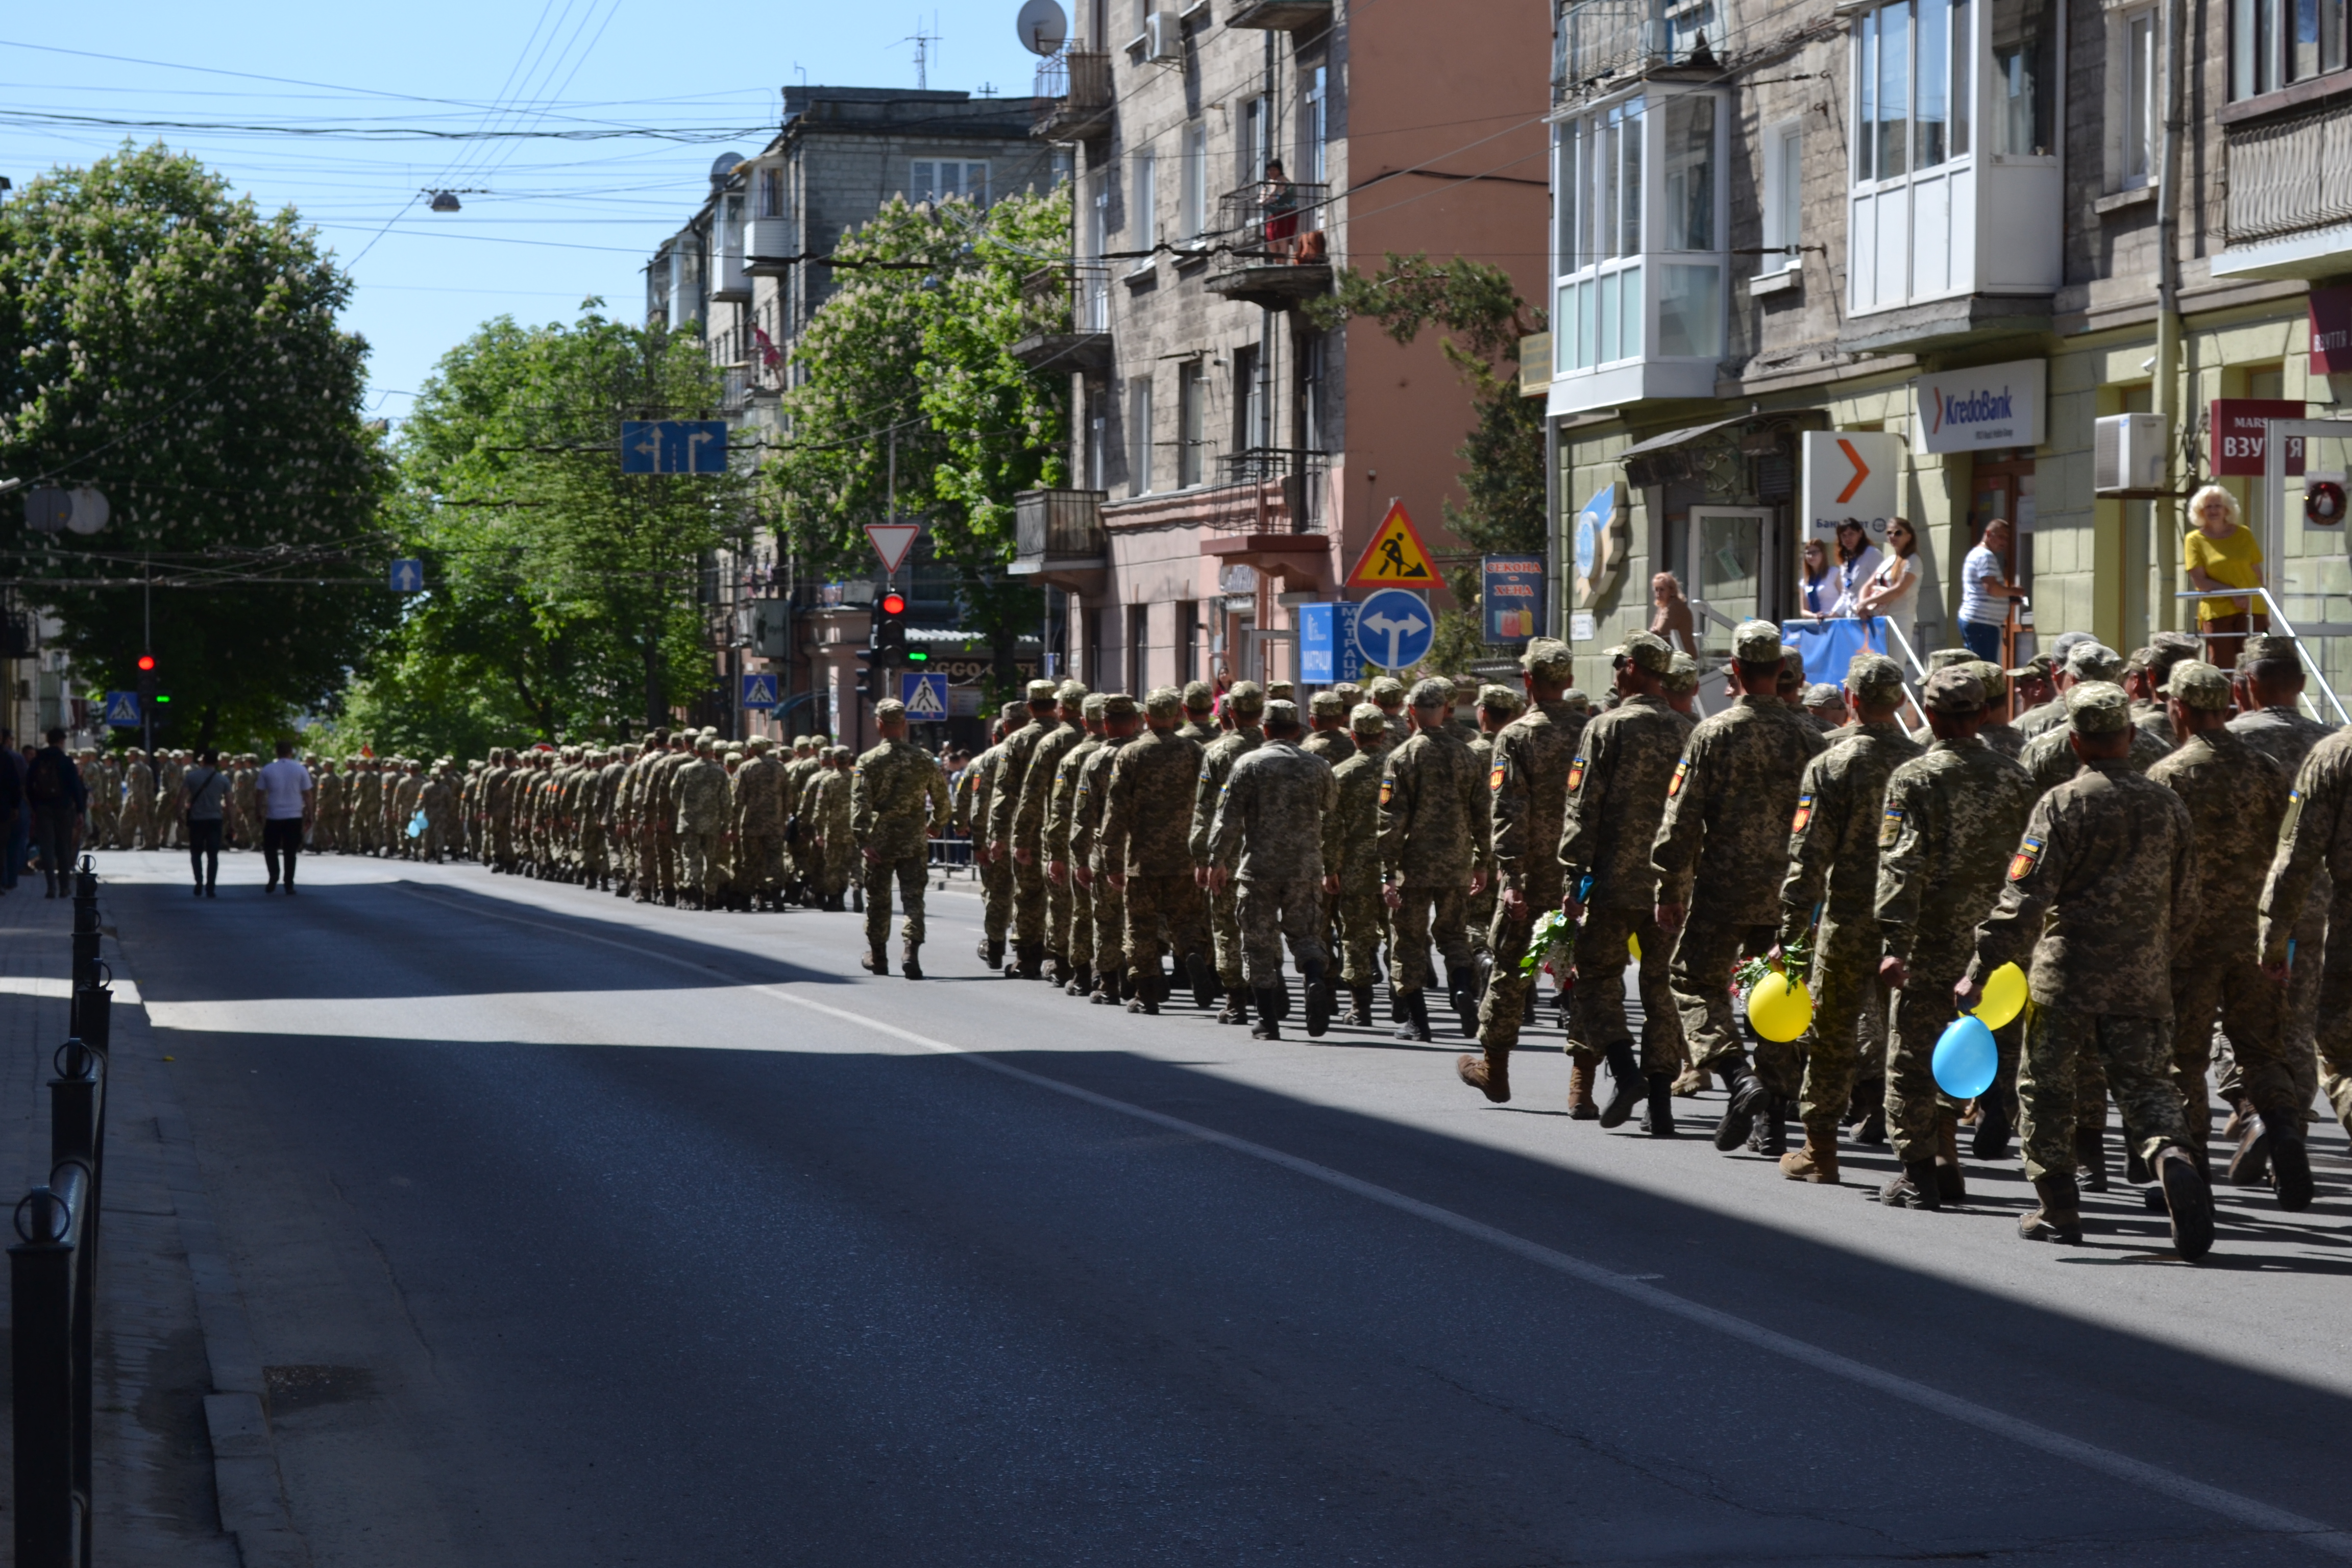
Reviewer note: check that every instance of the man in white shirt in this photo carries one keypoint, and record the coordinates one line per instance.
(287, 798)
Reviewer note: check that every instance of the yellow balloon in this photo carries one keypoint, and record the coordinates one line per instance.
(1633, 946)
(2004, 996)
(1780, 1008)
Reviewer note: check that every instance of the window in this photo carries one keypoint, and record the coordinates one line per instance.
(1314, 124)
(1193, 216)
(1192, 422)
(2138, 129)
(1315, 425)
(2025, 74)
(1249, 400)
(2273, 43)
(1911, 87)
(1097, 464)
(1138, 435)
(1143, 215)
(1253, 148)
(1138, 641)
(772, 192)
(1188, 640)
(1784, 196)
(936, 179)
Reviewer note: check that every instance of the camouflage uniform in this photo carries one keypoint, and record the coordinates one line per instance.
(1004, 809)
(759, 822)
(1352, 852)
(1267, 831)
(1104, 906)
(1434, 835)
(898, 799)
(1496, 706)
(1039, 785)
(1526, 787)
(1069, 901)
(701, 820)
(440, 803)
(2314, 857)
(1145, 840)
(1244, 702)
(1200, 724)
(995, 871)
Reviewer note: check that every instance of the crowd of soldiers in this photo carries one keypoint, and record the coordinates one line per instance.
(391, 806)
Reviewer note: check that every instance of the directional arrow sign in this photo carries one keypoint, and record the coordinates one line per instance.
(892, 540)
(1851, 473)
(1395, 628)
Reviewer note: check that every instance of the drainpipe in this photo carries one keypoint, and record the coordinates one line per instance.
(2166, 512)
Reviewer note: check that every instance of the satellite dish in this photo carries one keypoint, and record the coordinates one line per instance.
(90, 510)
(1042, 27)
(726, 162)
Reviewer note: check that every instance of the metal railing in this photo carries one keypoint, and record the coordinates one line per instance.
(1065, 297)
(1271, 223)
(1073, 89)
(1269, 490)
(53, 1274)
(1064, 525)
(2279, 625)
(1599, 38)
(2287, 175)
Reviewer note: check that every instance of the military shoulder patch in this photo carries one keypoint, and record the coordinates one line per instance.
(1804, 814)
(1682, 770)
(1494, 776)
(1576, 775)
(2028, 856)
(1387, 791)
(1890, 828)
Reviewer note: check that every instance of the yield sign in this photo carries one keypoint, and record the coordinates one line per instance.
(892, 540)
(1396, 558)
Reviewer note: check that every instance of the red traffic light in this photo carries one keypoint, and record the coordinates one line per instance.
(893, 604)
(146, 662)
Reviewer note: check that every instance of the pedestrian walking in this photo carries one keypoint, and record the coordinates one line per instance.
(59, 802)
(203, 806)
(286, 796)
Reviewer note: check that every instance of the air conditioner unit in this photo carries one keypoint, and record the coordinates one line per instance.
(1163, 38)
(2128, 452)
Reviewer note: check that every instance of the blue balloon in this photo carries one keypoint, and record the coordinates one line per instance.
(1966, 1057)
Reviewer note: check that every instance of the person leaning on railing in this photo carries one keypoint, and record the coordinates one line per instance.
(2221, 552)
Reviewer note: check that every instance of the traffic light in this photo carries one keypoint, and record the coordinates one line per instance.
(146, 680)
(869, 675)
(889, 639)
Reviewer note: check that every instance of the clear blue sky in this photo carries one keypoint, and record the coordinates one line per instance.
(562, 219)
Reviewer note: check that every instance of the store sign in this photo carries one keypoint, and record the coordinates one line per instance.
(1985, 405)
(1851, 473)
(1512, 595)
(2331, 331)
(2241, 428)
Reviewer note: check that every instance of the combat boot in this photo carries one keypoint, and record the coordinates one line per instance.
(1462, 986)
(2189, 1201)
(1204, 975)
(1359, 1012)
(909, 967)
(1398, 1010)
(1146, 1000)
(1416, 1017)
(1749, 1099)
(1032, 960)
(1951, 1187)
(1992, 1138)
(1237, 1008)
(1871, 1133)
(2091, 1158)
(1771, 1138)
(1082, 980)
(2059, 1216)
(1817, 1162)
(992, 951)
(875, 962)
(1627, 1088)
(1911, 1187)
(1107, 989)
(2250, 1166)
(1579, 1092)
(1058, 971)
(1527, 1007)
(1270, 1014)
(1658, 1115)
(1490, 1075)
(1322, 1001)
(2290, 1159)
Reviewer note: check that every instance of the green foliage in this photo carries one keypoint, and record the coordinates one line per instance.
(178, 351)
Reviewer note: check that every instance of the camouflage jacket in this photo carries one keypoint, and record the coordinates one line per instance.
(1950, 819)
(1351, 829)
(2313, 858)
(1526, 788)
(2102, 896)
(1615, 793)
(1216, 766)
(1202, 732)
(1011, 773)
(1043, 776)
(2042, 719)
(2049, 758)
(1434, 827)
(1834, 837)
(898, 796)
(2281, 734)
(832, 810)
(1087, 800)
(1055, 841)
(1145, 821)
(760, 798)
(1729, 807)
(2236, 798)
(1334, 746)
(2003, 738)
(701, 797)
(1269, 818)
(436, 800)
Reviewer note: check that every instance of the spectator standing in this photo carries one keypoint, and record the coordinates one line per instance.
(286, 794)
(2220, 553)
(204, 798)
(1818, 589)
(1893, 589)
(59, 802)
(1672, 621)
(1858, 560)
(1986, 591)
(16, 831)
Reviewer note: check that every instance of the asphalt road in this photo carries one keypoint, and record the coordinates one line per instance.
(580, 1232)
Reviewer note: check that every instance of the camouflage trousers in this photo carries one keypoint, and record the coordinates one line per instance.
(1479, 919)
(1706, 953)
(1846, 992)
(1270, 912)
(698, 856)
(2298, 1019)
(501, 838)
(1078, 923)
(1500, 1010)
(2137, 1054)
(996, 899)
(2251, 1008)
(1029, 900)
(1425, 912)
(135, 828)
(1916, 1022)
(838, 864)
(1226, 931)
(1058, 914)
(913, 873)
(1178, 900)
(763, 866)
(1597, 1006)
(1108, 913)
(2333, 1035)
(1363, 922)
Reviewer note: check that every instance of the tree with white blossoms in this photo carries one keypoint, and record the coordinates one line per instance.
(165, 343)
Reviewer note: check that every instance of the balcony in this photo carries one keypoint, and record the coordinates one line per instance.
(2289, 211)
(1058, 537)
(1269, 490)
(1073, 94)
(1282, 15)
(1066, 314)
(1599, 40)
(768, 245)
(1269, 246)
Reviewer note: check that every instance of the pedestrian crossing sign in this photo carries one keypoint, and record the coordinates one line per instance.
(122, 709)
(1396, 558)
(759, 690)
(925, 694)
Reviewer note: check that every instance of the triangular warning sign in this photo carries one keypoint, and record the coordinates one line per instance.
(892, 540)
(1396, 558)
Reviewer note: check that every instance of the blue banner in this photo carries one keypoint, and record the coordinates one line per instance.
(1829, 645)
(1327, 643)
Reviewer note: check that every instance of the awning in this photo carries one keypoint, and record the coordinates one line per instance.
(1677, 438)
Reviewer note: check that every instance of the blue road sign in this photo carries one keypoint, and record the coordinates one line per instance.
(925, 694)
(408, 576)
(1395, 628)
(122, 709)
(759, 690)
(673, 446)
(1327, 643)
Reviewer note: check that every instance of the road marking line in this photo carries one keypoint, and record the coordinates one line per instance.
(2233, 1506)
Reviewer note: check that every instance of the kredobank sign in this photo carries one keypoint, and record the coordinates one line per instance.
(1984, 406)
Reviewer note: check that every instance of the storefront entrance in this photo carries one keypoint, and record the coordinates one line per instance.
(2002, 485)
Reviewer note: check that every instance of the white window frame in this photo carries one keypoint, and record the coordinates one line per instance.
(1784, 196)
(925, 183)
(1143, 209)
(1314, 122)
(2137, 50)
(1192, 208)
(1138, 435)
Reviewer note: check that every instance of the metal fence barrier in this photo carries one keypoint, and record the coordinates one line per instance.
(952, 855)
(53, 1273)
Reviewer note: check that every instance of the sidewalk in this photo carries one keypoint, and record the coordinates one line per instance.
(153, 1465)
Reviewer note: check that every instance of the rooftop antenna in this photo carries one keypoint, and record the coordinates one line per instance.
(922, 42)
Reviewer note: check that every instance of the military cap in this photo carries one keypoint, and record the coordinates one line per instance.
(734, 755)
(801, 743)
(2094, 662)
(2196, 684)
(1349, 694)
(1164, 701)
(1501, 700)
(1792, 664)
(2038, 667)
(1327, 705)
(705, 743)
(711, 731)
(1820, 694)
(889, 708)
(1874, 679)
(1577, 699)
(1367, 720)
(1043, 691)
(1091, 705)
(1682, 676)
(1548, 659)
(1198, 697)
(761, 744)
(841, 754)
(1945, 657)
(2181, 644)
(1070, 691)
(1992, 677)
(1956, 690)
(1283, 689)
(1647, 650)
(1435, 691)
(1384, 690)
(1118, 705)
(1014, 712)
(1281, 711)
(2097, 708)
(2266, 645)
(1245, 697)
(1756, 642)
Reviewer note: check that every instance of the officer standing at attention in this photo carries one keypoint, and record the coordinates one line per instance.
(1950, 818)
(1147, 854)
(1245, 701)
(2102, 897)
(1434, 836)
(898, 799)
(1352, 857)
(1834, 868)
(1526, 787)
(1721, 855)
(1268, 838)
(1028, 877)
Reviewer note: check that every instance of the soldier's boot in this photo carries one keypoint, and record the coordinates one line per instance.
(1817, 1162)
(1749, 1097)
(1269, 1013)
(2249, 1165)
(1237, 1008)
(1658, 1114)
(2189, 1201)
(2290, 1160)
(1416, 1018)
(1911, 1187)
(834, 904)
(1527, 1007)
(1203, 976)
(1690, 1083)
(2058, 1217)
(1322, 1000)
(1058, 971)
(2091, 1158)
(910, 967)
(1107, 989)
(1992, 1138)
(1145, 999)
(992, 951)
(1951, 1187)
(1399, 1009)
(1771, 1138)
(1461, 985)
(1871, 1132)
(1032, 961)
(1490, 1075)
(2136, 1171)
(877, 961)
(1579, 1092)
(1361, 1013)
(1626, 1087)
(1082, 980)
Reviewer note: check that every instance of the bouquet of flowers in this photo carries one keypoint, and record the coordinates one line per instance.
(1551, 947)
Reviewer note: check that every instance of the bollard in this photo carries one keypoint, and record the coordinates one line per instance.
(40, 1289)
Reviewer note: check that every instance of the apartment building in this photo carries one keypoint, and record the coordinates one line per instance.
(1232, 458)
(1957, 223)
